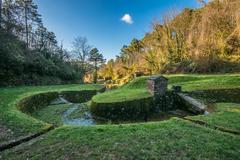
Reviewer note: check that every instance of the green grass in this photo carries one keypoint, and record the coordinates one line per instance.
(170, 139)
(173, 139)
(205, 82)
(19, 123)
(227, 115)
(137, 88)
(134, 90)
(52, 114)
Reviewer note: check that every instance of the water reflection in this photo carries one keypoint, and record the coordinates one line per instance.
(85, 118)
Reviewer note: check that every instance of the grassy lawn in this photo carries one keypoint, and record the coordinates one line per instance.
(173, 139)
(52, 114)
(170, 139)
(134, 90)
(191, 82)
(137, 88)
(227, 116)
(18, 123)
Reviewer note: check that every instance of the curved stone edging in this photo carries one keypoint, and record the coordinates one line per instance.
(26, 105)
(213, 126)
(34, 102)
(17, 142)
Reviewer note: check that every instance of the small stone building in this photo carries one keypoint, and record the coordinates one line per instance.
(157, 85)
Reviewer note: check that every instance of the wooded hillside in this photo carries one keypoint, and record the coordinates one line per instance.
(29, 53)
(200, 40)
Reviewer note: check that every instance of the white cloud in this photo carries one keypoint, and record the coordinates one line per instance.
(127, 19)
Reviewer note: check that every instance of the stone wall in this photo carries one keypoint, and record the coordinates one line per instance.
(157, 85)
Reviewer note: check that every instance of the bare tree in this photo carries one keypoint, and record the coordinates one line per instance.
(81, 49)
(202, 2)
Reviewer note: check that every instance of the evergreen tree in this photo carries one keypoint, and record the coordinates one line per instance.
(0, 14)
(97, 59)
(9, 16)
(29, 15)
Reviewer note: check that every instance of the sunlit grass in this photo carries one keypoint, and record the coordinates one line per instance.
(227, 115)
(137, 89)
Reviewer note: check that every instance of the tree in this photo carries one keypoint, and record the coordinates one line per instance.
(9, 16)
(81, 48)
(29, 14)
(0, 14)
(97, 59)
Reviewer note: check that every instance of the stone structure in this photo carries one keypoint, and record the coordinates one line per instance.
(176, 89)
(192, 104)
(157, 85)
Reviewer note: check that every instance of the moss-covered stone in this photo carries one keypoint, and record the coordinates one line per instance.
(125, 110)
(35, 102)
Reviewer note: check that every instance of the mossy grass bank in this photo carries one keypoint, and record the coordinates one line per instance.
(16, 124)
(171, 139)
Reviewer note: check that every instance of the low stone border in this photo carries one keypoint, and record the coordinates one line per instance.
(17, 142)
(213, 126)
(192, 104)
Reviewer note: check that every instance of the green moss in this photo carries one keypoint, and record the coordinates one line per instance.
(218, 95)
(79, 96)
(35, 102)
(125, 110)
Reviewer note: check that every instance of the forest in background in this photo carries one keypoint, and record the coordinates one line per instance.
(31, 55)
(204, 40)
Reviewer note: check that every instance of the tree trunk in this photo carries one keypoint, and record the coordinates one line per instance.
(0, 14)
(26, 24)
(95, 73)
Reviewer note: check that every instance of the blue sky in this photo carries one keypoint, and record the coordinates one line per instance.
(101, 21)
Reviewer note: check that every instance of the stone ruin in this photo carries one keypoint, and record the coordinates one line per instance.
(166, 100)
(157, 85)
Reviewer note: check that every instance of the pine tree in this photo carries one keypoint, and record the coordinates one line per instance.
(0, 14)
(97, 59)
(29, 14)
(9, 16)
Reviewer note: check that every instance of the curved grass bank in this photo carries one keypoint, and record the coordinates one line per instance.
(171, 139)
(134, 101)
(15, 124)
(226, 116)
